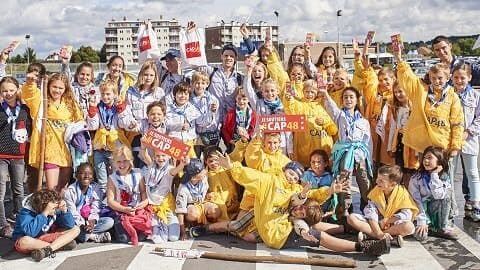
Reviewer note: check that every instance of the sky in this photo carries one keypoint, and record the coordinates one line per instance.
(53, 23)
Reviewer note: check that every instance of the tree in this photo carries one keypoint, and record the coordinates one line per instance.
(17, 59)
(29, 55)
(103, 53)
(85, 53)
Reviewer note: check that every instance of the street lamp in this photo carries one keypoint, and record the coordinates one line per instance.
(223, 33)
(339, 14)
(278, 30)
(27, 37)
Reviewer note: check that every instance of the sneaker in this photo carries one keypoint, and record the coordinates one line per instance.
(475, 214)
(447, 234)
(40, 254)
(397, 241)
(104, 237)
(12, 218)
(361, 237)
(69, 246)
(197, 231)
(6, 231)
(468, 209)
(375, 247)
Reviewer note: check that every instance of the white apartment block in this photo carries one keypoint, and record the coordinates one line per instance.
(121, 37)
(229, 32)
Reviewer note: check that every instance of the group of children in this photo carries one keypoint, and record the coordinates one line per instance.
(400, 136)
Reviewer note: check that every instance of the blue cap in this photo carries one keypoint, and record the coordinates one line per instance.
(191, 169)
(171, 54)
(296, 167)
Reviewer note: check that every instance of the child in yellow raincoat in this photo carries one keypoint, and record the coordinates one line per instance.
(275, 194)
(320, 127)
(377, 91)
(62, 110)
(390, 211)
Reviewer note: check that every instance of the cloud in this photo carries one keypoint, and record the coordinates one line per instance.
(52, 23)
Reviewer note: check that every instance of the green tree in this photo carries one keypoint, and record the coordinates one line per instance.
(30, 55)
(17, 59)
(85, 53)
(103, 53)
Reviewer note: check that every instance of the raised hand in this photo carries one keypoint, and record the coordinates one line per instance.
(224, 161)
(244, 30)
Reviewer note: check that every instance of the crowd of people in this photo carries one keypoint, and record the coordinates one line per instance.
(400, 137)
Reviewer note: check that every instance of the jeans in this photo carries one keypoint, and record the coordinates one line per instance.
(102, 163)
(103, 224)
(15, 170)
(162, 232)
(471, 178)
(452, 168)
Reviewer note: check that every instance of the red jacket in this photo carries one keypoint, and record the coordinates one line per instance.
(230, 125)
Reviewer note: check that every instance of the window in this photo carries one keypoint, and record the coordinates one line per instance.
(121, 31)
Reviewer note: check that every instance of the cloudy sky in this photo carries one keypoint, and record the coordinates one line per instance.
(52, 23)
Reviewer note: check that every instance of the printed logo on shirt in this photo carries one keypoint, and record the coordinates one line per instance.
(434, 121)
(320, 133)
(280, 210)
(280, 191)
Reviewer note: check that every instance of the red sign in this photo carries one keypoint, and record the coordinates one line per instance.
(192, 49)
(283, 122)
(370, 36)
(309, 38)
(144, 44)
(172, 147)
(397, 43)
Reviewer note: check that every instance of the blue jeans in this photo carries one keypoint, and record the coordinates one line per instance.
(162, 232)
(15, 170)
(103, 224)
(471, 177)
(101, 161)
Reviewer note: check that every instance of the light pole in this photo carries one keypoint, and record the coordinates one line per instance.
(27, 37)
(223, 33)
(278, 30)
(339, 14)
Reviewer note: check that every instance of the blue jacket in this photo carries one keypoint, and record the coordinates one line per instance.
(344, 159)
(30, 223)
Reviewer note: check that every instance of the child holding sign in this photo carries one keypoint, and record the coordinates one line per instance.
(378, 89)
(270, 103)
(437, 113)
(182, 116)
(320, 127)
(352, 151)
(143, 93)
(159, 179)
(82, 81)
(126, 195)
(327, 63)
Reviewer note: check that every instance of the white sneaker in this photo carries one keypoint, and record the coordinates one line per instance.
(104, 237)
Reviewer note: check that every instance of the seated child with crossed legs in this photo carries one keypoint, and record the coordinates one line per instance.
(390, 210)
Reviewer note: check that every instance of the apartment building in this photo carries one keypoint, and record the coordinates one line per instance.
(121, 37)
(229, 32)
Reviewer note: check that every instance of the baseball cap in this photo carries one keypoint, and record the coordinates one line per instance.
(296, 167)
(171, 53)
(191, 169)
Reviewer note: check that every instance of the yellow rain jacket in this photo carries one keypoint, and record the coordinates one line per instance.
(256, 157)
(374, 103)
(221, 183)
(440, 125)
(399, 199)
(315, 136)
(58, 117)
(272, 200)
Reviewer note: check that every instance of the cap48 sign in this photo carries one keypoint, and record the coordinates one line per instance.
(160, 142)
(283, 122)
